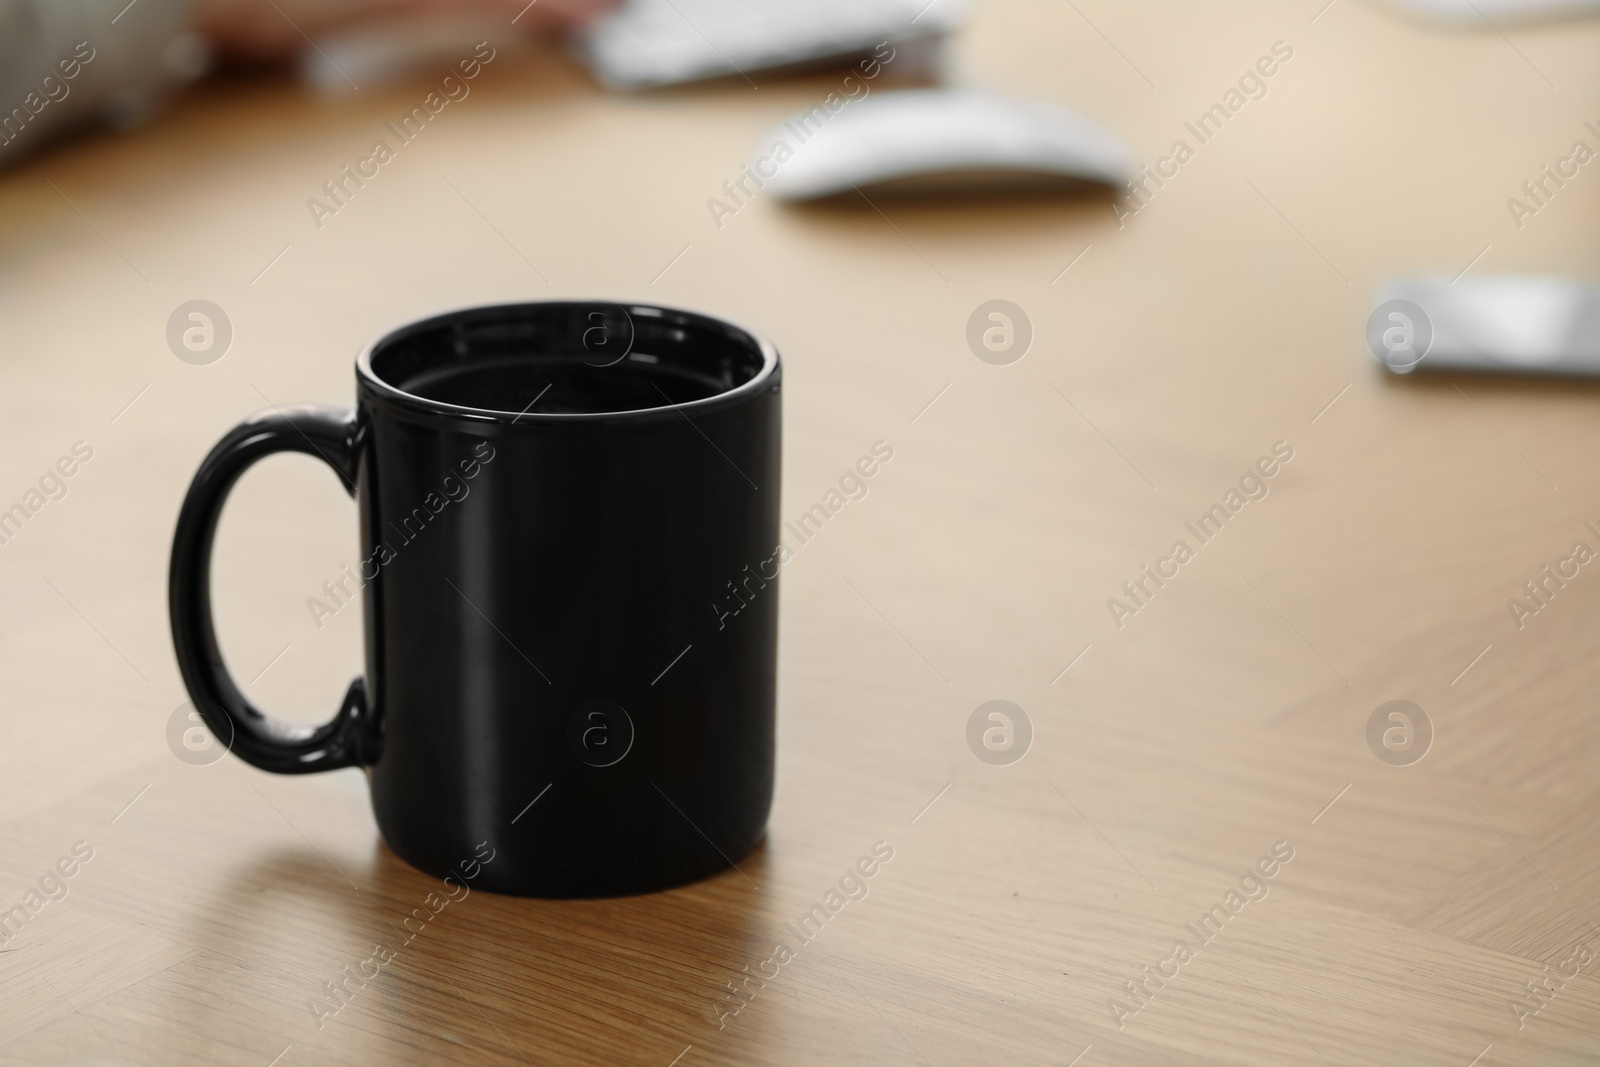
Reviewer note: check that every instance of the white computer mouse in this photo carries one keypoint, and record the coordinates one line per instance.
(935, 140)
(1489, 13)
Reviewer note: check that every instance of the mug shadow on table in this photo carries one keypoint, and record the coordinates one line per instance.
(410, 969)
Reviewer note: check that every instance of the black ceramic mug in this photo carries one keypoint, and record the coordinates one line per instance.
(555, 498)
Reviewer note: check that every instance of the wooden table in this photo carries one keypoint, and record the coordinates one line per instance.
(1170, 754)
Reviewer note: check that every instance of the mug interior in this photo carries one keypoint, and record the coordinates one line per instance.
(567, 358)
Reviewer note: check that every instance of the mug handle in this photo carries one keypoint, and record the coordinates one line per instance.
(349, 739)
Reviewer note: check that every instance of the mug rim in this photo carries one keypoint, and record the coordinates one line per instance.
(374, 387)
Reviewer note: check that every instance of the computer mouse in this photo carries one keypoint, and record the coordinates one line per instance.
(1490, 13)
(934, 140)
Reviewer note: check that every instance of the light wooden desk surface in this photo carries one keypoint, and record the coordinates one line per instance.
(1228, 715)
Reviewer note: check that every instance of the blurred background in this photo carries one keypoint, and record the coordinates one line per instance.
(1386, 145)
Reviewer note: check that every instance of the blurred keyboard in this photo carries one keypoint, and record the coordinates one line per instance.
(664, 42)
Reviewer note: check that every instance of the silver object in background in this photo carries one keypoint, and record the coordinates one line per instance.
(1510, 324)
(1489, 14)
(650, 43)
(938, 140)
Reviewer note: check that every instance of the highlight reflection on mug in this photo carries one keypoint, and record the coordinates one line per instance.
(600, 733)
(607, 336)
(999, 732)
(192, 741)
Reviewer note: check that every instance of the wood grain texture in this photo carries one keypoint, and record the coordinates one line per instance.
(1227, 715)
